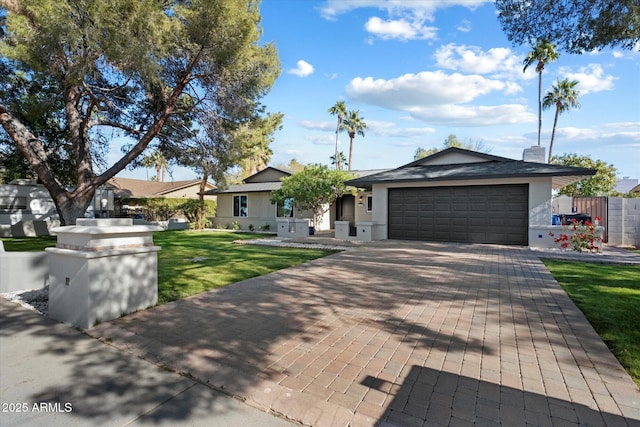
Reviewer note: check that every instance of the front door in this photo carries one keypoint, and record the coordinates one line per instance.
(346, 208)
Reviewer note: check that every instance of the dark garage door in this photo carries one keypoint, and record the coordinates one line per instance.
(471, 214)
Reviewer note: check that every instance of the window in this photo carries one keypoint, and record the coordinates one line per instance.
(285, 209)
(369, 203)
(240, 205)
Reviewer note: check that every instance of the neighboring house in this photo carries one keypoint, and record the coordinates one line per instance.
(127, 188)
(249, 203)
(626, 185)
(138, 188)
(26, 209)
(460, 195)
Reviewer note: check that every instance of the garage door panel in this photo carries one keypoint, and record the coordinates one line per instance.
(478, 214)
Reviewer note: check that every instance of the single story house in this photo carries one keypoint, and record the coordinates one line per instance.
(127, 188)
(249, 204)
(459, 195)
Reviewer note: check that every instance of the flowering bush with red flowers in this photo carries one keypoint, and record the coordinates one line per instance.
(582, 237)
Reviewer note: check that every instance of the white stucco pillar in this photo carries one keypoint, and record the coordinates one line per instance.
(102, 269)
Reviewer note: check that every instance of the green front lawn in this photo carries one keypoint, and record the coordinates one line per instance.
(609, 296)
(191, 262)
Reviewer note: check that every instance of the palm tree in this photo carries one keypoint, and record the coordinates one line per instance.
(353, 124)
(158, 161)
(338, 160)
(340, 110)
(543, 53)
(564, 96)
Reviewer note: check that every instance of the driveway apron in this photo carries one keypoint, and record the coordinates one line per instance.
(394, 333)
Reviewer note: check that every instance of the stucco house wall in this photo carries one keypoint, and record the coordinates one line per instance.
(260, 212)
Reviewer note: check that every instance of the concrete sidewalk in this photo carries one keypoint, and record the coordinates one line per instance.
(395, 333)
(54, 375)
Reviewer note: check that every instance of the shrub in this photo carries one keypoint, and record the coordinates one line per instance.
(581, 238)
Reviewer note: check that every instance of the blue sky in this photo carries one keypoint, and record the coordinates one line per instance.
(419, 70)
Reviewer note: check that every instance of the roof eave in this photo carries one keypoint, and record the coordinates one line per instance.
(558, 179)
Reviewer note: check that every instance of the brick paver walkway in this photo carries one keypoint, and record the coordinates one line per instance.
(395, 333)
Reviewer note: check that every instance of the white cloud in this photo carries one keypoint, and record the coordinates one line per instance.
(591, 78)
(633, 125)
(611, 132)
(406, 19)
(437, 97)
(323, 126)
(424, 88)
(399, 29)
(390, 129)
(333, 8)
(303, 69)
(469, 115)
(464, 26)
(321, 139)
(498, 62)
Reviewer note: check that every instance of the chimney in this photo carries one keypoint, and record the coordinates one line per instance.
(534, 154)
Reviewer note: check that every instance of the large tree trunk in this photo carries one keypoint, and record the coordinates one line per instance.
(202, 214)
(71, 205)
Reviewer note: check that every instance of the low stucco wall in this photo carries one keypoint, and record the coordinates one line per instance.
(544, 236)
(23, 270)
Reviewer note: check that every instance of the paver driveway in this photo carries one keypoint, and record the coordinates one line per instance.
(395, 333)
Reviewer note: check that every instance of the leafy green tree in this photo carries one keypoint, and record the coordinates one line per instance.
(338, 109)
(452, 141)
(34, 101)
(139, 69)
(542, 53)
(314, 188)
(601, 184)
(421, 153)
(354, 125)
(292, 166)
(563, 95)
(575, 25)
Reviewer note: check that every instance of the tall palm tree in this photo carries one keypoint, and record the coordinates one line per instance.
(340, 110)
(543, 53)
(158, 161)
(338, 160)
(564, 96)
(354, 125)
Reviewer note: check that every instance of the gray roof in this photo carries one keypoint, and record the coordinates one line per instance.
(251, 187)
(502, 168)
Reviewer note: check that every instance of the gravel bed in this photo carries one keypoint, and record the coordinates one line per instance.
(33, 299)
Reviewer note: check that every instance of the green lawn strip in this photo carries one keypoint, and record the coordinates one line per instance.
(609, 296)
(28, 244)
(193, 262)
